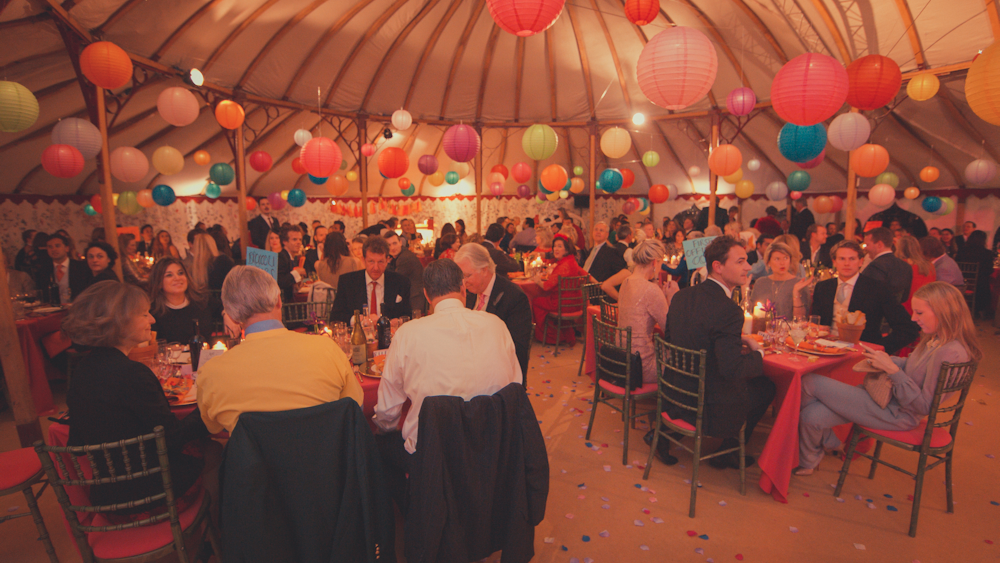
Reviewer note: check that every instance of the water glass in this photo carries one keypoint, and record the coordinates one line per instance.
(403, 320)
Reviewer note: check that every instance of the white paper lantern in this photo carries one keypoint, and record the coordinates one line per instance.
(978, 171)
(128, 164)
(303, 136)
(882, 195)
(177, 106)
(78, 133)
(401, 120)
(672, 192)
(776, 191)
(849, 131)
(753, 165)
(615, 142)
(694, 171)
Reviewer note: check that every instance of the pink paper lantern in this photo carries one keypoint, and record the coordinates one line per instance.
(837, 203)
(62, 161)
(809, 89)
(277, 202)
(677, 67)
(496, 188)
(795, 195)
(320, 157)
(461, 143)
(367, 149)
(741, 101)
(524, 18)
(128, 164)
(521, 172)
(260, 161)
(428, 164)
(177, 106)
(882, 195)
(814, 162)
(523, 191)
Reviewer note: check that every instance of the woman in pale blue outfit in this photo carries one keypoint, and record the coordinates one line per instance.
(948, 335)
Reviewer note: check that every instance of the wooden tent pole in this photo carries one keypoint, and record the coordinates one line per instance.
(593, 171)
(18, 388)
(851, 204)
(363, 160)
(107, 195)
(479, 181)
(241, 186)
(713, 180)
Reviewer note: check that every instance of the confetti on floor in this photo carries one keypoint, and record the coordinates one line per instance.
(605, 534)
(638, 523)
(550, 540)
(859, 546)
(644, 547)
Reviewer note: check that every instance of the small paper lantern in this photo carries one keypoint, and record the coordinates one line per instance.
(576, 185)
(128, 164)
(296, 197)
(221, 173)
(629, 207)
(403, 183)
(229, 114)
(734, 177)
(401, 120)
(882, 195)
(888, 178)
(321, 157)
(427, 164)
(628, 178)
(947, 206)
(297, 166)
(642, 12)
(741, 101)
(393, 162)
(251, 204)
(95, 201)
(163, 195)
(168, 160)
(744, 189)
(799, 181)
(524, 19)
(436, 179)
(615, 142)
(62, 161)
(776, 191)
(496, 188)
(849, 131)
(523, 191)
(874, 82)
(563, 194)
(611, 180)
(78, 133)
(869, 160)
(801, 144)
(260, 161)
(89, 210)
(554, 196)
(982, 85)
(351, 176)
(554, 177)
(106, 65)
(18, 108)
(343, 164)
(795, 195)
(277, 202)
(145, 198)
(649, 160)
(725, 160)
(837, 203)
(677, 67)
(368, 149)
(578, 170)
(981, 171)
(753, 165)
(337, 186)
(463, 169)
(923, 86)
(912, 192)
(814, 162)
(177, 106)
(539, 142)
(461, 143)
(822, 204)
(451, 177)
(931, 203)
(317, 180)
(212, 190)
(809, 89)
(302, 136)
(127, 203)
(694, 171)
(521, 172)
(201, 158)
(929, 174)
(658, 193)
(408, 192)
(502, 170)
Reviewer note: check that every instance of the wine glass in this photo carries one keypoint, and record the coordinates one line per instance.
(798, 331)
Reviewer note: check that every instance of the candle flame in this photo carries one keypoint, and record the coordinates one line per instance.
(219, 346)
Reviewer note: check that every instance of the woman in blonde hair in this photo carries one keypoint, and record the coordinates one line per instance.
(908, 250)
(947, 335)
(795, 246)
(203, 251)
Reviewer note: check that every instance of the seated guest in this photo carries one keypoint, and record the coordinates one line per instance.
(406, 263)
(675, 247)
(852, 291)
(885, 268)
(524, 240)
(357, 248)
(273, 242)
(945, 267)
(372, 287)
(134, 271)
(947, 335)
(814, 247)
(164, 247)
(782, 288)
(337, 260)
(314, 253)
(603, 260)
(144, 245)
(704, 317)
(113, 398)
(793, 244)
(72, 276)
(625, 243)
(497, 295)
(244, 378)
(760, 268)
(101, 261)
(908, 250)
(974, 251)
(504, 263)
(948, 239)
(509, 231)
(175, 304)
(219, 267)
(27, 259)
(548, 301)
(290, 272)
(447, 246)
(833, 235)
(409, 229)
(20, 283)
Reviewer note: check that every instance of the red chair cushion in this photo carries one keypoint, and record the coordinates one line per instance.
(939, 438)
(678, 423)
(17, 466)
(612, 388)
(136, 541)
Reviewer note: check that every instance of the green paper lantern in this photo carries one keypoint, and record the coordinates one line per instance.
(578, 170)
(887, 178)
(128, 203)
(539, 142)
(222, 174)
(651, 158)
(89, 210)
(212, 190)
(18, 107)
(451, 177)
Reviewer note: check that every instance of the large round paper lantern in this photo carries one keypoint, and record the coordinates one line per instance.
(202, 158)
(229, 114)
(89, 210)
(128, 164)
(982, 85)
(523, 18)
(401, 120)
(801, 144)
(177, 106)
(923, 86)
(744, 189)
(658, 193)
(106, 65)
(809, 89)
(874, 82)
(694, 171)
(628, 178)
(393, 162)
(725, 160)
(753, 165)
(822, 204)
(127, 203)
(451, 177)
(931, 204)
(428, 164)
(460, 143)
(849, 131)
(611, 180)
(554, 177)
(649, 159)
(869, 160)
(642, 12)
(837, 204)
(888, 178)
(297, 166)
(799, 181)
(260, 161)
(523, 191)
(212, 190)
(78, 133)
(351, 175)
(145, 198)
(882, 195)
(436, 179)
(741, 101)
(337, 186)
(168, 160)
(221, 173)
(62, 161)
(277, 202)
(776, 191)
(321, 157)
(368, 149)
(912, 192)
(981, 171)
(251, 204)
(929, 174)
(317, 180)
(496, 188)
(18, 107)
(615, 142)
(810, 164)
(502, 170)
(163, 195)
(734, 177)
(521, 172)
(302, 136)
(576, 185)
(677, 67)
(539, 142)
(296, 197)
(947, 206)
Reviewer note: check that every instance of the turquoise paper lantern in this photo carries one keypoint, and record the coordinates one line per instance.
(799, 180)
(222, 174)
(89, 210)
(296, 198)
(611, 180)
(451, 177)
(409, 191)
(316, 180)
(163, 195)
(931, 204)
(801, 144)
(212, 190)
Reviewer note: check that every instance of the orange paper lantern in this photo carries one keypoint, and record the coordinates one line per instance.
(145, 198)
(337, 186)
(202, 158)
(229, 114)
(874, 81)
(869, 160)
(393, 162)
(642, 12)
(725, 160)
(929, 174)
(554, 177)
(106, 65)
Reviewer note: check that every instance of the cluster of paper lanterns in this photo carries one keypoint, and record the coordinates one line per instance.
(677, 67)
(522, 18)
(539, 141)
(18, 107)
(938, 205)
(460, 143)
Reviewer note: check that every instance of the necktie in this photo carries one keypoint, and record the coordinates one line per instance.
(590, 259)
(481, 302)
(842, 293)
(373, 304)
(59, 273)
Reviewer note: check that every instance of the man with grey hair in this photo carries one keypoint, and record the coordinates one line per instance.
(274, 369)
(603, 260)
(497, 295)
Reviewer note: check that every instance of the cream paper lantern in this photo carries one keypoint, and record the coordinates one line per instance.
(616, 142)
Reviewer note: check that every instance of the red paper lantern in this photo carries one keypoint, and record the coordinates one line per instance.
(521, 172)
(929, 174)
(260, 161)
(874, 82)
(393, 162)
(642, 12)
(106, 65)
(95, 202)
(403, 183)
(460, 143)
(677, 67)
(62, 161)
(522, 18)
(837, 203)
(725, 160)
(297, 166)
(500, 169)
(658, 193)
(367, 149)
(320, 157)
(251, 204)
(628, 178)
(229, 114)
(869, 160)
(809, 89)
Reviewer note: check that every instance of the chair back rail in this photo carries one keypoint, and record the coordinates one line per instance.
(306, 312)
(609, 311)
(613, 347)
(687, 366)
(952, 378)
(592, 293)
(570, 295)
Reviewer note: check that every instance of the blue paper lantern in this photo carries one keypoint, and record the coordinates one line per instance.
(801, 144)
(89, 210)
(409, 191)
(931, 204)
(296, 198)
(799, 180)
(222, 174)
(163, 195)
(451, 177)
(611, 180)
(212, 190)
(316, 180)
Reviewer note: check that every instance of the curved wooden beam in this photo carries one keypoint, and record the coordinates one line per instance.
(911, 32)
(673, 154)
(763, 29)
(396, 43)
(236, 33)
(462, 43)
(831, 26)
(491, 45)
(39, 17)
(714, 32)
(959, 178)
(614, 56)
(431, 42)
(588, 82)
(118, 14)
(190, 21)
(276, 38)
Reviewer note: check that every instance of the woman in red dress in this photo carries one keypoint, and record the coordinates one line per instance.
(908, 250)
(564, 252)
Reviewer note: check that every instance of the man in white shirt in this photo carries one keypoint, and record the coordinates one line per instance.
(263, 224)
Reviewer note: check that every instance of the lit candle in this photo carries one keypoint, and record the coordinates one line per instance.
(747, 322)
(220, 346)
(759, 318)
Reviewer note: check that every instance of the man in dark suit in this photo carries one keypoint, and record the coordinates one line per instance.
(262, 224)
(886, 268)
(144, 245)
(372, 287)
(801, 219)
(853, 291)
(72, 276)
(313, 254)
(814, 248)
(833, 235)
(704, 317)
(406, 263)
(504, 264)
(604, 260)
(487, 290)
(290, 272)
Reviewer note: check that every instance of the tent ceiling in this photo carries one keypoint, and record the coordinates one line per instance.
(447, 61)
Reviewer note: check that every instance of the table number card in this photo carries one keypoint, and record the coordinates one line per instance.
(694, 252)
(263, 259)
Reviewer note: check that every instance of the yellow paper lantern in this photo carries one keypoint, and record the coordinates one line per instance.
(982, 85)
(18, 107)
(923, 86)
(615, 142)
(284, 194)
(168, 160)
(734, 177)
(744, 189)
(436, 179)
(351, 176)
(114, 199)
(554, 196)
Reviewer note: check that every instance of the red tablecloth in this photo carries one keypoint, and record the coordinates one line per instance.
(37, 366)
(530, 288)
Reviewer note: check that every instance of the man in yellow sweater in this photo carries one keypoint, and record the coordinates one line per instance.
(274, 369)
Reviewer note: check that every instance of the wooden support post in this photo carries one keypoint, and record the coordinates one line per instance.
(479, 181)
(851, 205)
(363, 160)
(107, 195)
(593, 171)
(713, 180)
(18, 388)
(241, 186)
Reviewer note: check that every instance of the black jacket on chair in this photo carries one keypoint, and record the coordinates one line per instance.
(286, 281)
(512, 306)
(875, 300)
(608, 262)
(823, 257)
(305, 485)
(892, 272)
(259, 228)
(352, 295)
(479, 479)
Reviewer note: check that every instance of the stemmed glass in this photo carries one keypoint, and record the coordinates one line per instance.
(798, 331)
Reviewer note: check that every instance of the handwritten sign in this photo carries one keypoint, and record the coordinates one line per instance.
(263, 259)
(694, 251)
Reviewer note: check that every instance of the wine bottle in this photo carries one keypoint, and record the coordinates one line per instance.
(195, 346)
(359, 345)
(383, 330)
(53, 292)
